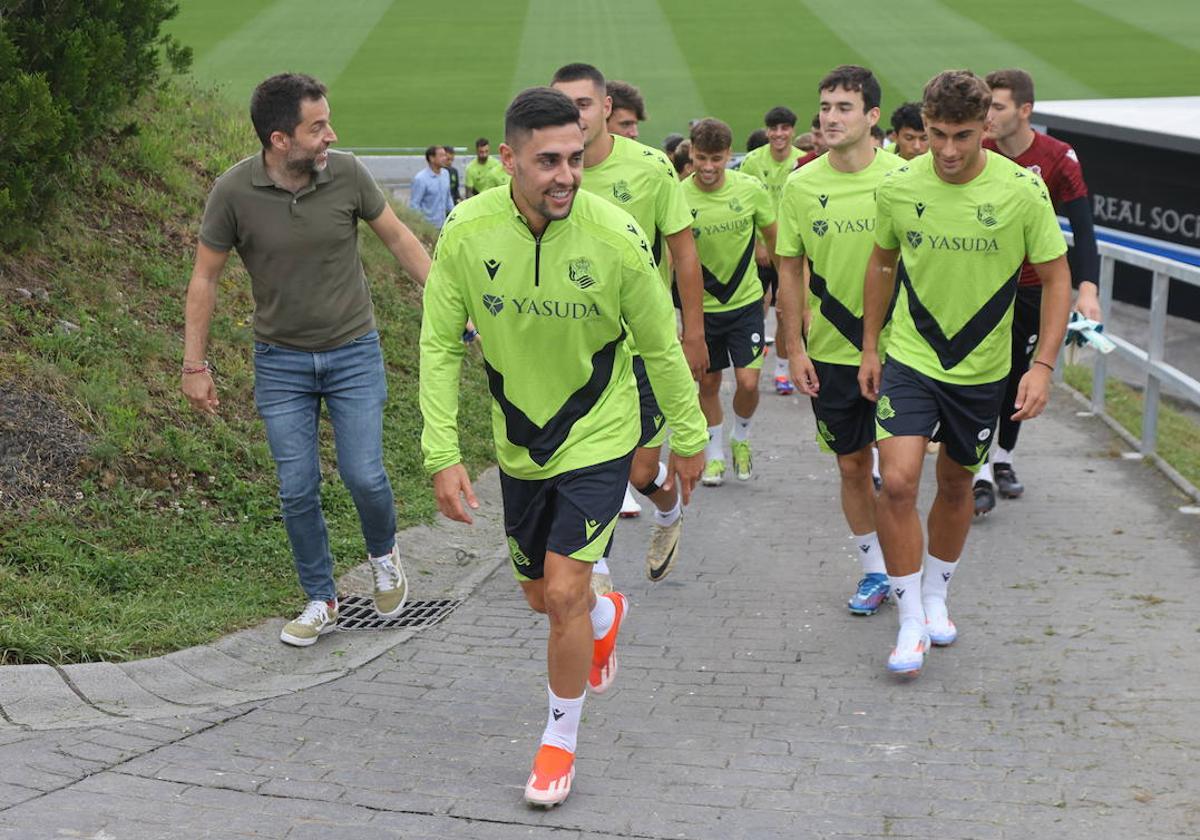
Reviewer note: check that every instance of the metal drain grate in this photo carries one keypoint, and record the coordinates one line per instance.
(357, 612)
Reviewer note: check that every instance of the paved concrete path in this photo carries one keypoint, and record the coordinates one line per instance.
(749, 703)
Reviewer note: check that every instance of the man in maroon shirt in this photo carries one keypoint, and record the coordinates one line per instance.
(819, 146)
(1010, 134)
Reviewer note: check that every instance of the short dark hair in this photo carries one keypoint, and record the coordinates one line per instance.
(431, 152)
(625, 95)
(855, 78)
(482, 141)
(907, 115)
(711, 135)
(577, 72)
(757, 138)
(877, 132)
(534, 108)
(449, 149)
(1017, 82)
(956, 96)
(779, 115)
(815, 125)
(682, 155)
(671, 142)
(275, 103)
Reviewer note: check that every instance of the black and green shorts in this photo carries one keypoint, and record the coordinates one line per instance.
(735, 337)
(845, 418)
(572, 514)
(961, 417)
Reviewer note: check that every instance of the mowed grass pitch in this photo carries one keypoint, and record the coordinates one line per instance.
(407, 74)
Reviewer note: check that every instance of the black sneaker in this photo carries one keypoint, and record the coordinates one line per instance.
(1007, 483)
(985, 498)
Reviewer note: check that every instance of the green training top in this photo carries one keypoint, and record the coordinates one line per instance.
(961, 249)
(552, 312)
(771, 172)
(829, 216)
(724, 223)
(484, 176)
(642, 182)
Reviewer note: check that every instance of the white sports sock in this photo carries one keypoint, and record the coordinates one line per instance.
(603, 615)
(875, 461)
(866, 546)
(985, 473)
(715, 451)
(741, 428)
(907, 590)
(781, 368)
(936, 581)
(665, 518)
(1001, 456)
(562, 722)
(600, 567)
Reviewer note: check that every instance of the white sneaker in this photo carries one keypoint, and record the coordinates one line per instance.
(941, 629)
(316, 620)
(912, 643)
(630, 507)
(391, 589)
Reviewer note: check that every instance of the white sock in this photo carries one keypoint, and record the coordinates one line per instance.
(715, 451)
(1001, 456)
(875, 461)
(600, 567)
(781, 368)
(907, 590)
(985, 473)
(562, 722)
(866, 546)
(603, 616)
(665, 518)
(935, 584)
(741, 428)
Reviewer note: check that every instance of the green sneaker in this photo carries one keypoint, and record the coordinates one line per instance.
(317, 619)
(743, 464)
(714, 473)
(391, 589)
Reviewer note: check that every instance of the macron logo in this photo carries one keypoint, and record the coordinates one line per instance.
(946, 576)
(492, 267)
(900, 593)
(558, 713)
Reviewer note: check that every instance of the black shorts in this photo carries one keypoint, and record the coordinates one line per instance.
(735, 337)
(962, 417)
(572, 514)
(845, 418)
(654, 425)
(770, 282)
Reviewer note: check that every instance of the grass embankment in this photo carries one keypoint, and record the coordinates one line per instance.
(1178, 434)
(163, 531)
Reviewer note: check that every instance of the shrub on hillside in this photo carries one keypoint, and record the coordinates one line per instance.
(66, 69)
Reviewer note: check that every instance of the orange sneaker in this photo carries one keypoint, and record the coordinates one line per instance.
(604, 651)
(550, 780)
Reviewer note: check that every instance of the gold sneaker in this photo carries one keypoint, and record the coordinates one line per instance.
(664, 548)
(317, 619)
(391, 589)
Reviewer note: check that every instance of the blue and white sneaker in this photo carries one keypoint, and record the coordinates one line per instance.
(873, 590)
(941, 629)
(912, 643)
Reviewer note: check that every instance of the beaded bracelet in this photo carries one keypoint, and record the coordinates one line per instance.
(203, 367)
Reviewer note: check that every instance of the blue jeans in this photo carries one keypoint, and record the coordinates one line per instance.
(288, 388)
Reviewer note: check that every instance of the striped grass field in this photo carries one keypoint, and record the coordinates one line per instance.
(407, 74)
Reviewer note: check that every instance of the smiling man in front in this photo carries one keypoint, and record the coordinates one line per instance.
(553, 276)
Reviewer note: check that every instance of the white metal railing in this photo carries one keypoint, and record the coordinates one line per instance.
(1147, 360)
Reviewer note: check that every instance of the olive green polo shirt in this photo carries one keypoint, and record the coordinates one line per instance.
(301, 249)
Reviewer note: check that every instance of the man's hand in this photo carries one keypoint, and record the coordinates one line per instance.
(1087, 302)
(870, 372)
(1033, 392)
(450, 487)
(686, 471)
(804, 374)
(200, 391)
(695, 350)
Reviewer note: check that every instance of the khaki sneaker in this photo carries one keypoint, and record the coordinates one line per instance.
(391, 589)
(317, 619)
(601, 583)
(664, 548)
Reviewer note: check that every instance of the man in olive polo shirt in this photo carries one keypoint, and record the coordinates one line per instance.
(292, 213)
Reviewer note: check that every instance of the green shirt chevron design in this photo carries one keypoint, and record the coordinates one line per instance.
(829, 216)
(553, 313)
(961, 249)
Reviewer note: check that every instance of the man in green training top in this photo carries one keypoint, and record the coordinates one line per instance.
(485, 171)
(729, 208)
(962, 220)
(642, 182)
(827, 214)
(557, 276)
(772, 164)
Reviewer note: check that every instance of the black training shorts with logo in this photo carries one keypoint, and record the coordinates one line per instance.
(735, 337)
(845, 418)
(572, 514)
(654, 425)
(962, 417)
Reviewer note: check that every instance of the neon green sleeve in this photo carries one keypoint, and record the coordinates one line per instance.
(885, 234)
(441, 360)
(646, 308)
(673, 213)
(764, 210)
(788, 241)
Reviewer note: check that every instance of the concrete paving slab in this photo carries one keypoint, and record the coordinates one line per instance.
(163, 678)
(36, 696)
(110, 689)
